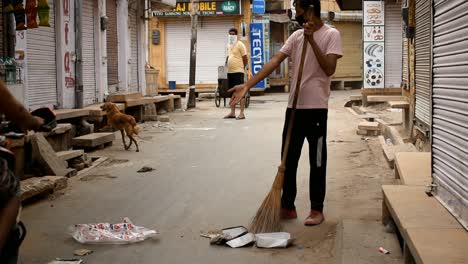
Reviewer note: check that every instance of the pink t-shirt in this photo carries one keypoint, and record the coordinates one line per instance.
(315, 87)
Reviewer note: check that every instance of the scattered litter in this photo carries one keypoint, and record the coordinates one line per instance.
(389, 141)
(241, 241)
(197, 128)
(390, 227)
(66, 261)
(145, 169)
(366, 139)
(235, 232)
(383, 250)
(220, 239)
(105, 233)
(274, 240)
(82, 252)
(211, 234)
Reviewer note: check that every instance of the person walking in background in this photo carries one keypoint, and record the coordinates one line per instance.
(237, 61)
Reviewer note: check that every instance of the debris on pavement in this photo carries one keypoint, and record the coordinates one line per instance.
(145, 169)
(82, 252)
(164, 118)
(235, 232)
(241, 241)
(211, 234)
(383, 250)
(220, 239)
(105, 233)
(273, 240)
(66, 261)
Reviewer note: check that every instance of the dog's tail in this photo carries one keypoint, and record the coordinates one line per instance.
(136, 129)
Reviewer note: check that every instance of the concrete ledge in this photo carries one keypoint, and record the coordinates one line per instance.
(122, 97)
(70, 154)
(384, 98)
(413, 168)
(418, 216)
(161, 98)
(390, 150)
(93, 140)
(139, 102)
(438, 245)
(399, 104)
(62, 114)
(39, 185)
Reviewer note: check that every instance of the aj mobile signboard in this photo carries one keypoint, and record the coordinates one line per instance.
(206, 8)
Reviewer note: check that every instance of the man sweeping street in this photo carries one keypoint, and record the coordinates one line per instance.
(311, 111)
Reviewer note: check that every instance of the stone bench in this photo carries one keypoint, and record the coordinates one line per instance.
(93, 140)
(413, 168)
(404, 105)
(430, 233)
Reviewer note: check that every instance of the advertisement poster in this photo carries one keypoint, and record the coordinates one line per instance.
(374, 44)
(257, 50)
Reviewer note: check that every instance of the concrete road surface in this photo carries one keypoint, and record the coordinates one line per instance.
(212, 173)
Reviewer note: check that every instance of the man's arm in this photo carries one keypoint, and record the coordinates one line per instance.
(245, 60)
(266, 70)
(327, 62)
(15, 111)
(240, 90)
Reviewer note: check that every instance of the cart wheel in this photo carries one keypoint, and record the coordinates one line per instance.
(217, 98)
(247, 100)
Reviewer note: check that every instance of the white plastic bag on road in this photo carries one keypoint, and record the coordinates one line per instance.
(105, 233)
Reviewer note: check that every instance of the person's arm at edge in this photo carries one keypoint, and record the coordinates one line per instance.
(240, 90)
(8, 218)
(15, 111)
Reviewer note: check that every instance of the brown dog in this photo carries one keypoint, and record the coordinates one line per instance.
(121, 122)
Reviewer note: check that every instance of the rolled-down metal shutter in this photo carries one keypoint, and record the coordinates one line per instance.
(111, 45)
(392, 45)
(211, 50)
(133, 60)
(404, 67)
(450, 106)
(42, 64)
(89, 60)
(423, 61)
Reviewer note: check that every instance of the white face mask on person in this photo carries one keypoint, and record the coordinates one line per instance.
(232, 39)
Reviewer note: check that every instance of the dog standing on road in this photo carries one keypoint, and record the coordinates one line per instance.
(122, 122)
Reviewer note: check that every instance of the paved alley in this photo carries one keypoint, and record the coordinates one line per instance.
(212, 173)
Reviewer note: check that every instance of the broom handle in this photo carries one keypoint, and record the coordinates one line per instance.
(296, 96)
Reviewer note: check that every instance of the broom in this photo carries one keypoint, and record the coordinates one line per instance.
(268, 216)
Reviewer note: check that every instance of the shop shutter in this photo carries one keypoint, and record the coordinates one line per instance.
(111, 42)
(423, 61)
(211, 50)
(393, 45)
(405, 70)
(133, 60)
(89, 61)
(450, 106)
(42, 64)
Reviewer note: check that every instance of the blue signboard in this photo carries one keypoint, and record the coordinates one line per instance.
(258, 6)
(256, 50)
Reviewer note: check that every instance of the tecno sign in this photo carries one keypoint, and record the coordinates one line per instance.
(256, 52)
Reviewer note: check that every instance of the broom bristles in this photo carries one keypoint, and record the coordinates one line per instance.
(268, 217)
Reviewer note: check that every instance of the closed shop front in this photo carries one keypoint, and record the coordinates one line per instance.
(422, 66)
(134, 42)
(41, 63)
(348, 67)
(450, 106)
(112, 46)
(211, 49)
(89, 57)
(393, 47)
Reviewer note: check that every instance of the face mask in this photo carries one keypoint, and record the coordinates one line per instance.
(301, 20)
(232, 39)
